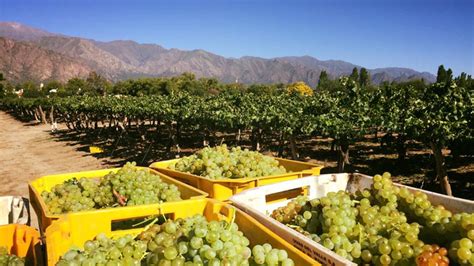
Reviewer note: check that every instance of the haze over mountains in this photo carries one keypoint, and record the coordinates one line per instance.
(30, 53)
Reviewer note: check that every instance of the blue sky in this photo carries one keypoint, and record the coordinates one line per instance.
(419, 34)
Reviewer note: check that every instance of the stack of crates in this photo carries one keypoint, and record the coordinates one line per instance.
(16, 237)
(65, 231)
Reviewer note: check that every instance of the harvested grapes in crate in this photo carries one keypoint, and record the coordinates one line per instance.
(221, 162)
(200, 232)
(127, 187)
(383, 225)
(116, 191)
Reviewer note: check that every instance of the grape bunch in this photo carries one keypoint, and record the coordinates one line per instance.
(220, 163)
(383, 225)
(71, 196)
(461, 251)
(127, 187)
(134, 186)
(105, 251)
(189, 241)
(195, 241)
(10, 260)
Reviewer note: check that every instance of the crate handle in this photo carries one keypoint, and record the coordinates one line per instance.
(286, 194)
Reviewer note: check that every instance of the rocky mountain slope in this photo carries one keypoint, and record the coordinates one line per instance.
(123, 59)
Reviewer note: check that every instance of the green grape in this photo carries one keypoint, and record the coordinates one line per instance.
(220, 162)
(127, 187)
(10, 259)
(465, 243)
(106, 251)
(464, 254)
(170, 253)
(385, 259)
(201, 242)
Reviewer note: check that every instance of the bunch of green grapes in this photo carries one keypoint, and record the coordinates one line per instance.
(383, 225)
(195, 241)
(287, 213)
(134, 186)
(462, 249)
(440, 226)
(220, 162)
(105, 251)
(71, 196)
(10, 260)
(127, 187)
(365, 227)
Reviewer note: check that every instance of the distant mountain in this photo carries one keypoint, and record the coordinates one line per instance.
(17, 31)
(25, 61)
(123, 59)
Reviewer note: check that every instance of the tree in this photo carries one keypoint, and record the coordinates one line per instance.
(342, 115)
(354, 75)
(442, 75)
(449, 76)
(262, 89)
(30, 90)
(299, 88)
(443, 114)
(462, 80)
(75, 86)
(364, 78)
(96, 84)
(323, 80)
(396, 107)
(53, 88)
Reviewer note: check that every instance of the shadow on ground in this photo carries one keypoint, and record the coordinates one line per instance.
(366, 155)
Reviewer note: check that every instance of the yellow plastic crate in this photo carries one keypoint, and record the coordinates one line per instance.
(22, 241)
(45, 218)
(73, 230)
(223, 189)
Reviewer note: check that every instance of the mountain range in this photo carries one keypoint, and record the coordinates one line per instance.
(27, 53)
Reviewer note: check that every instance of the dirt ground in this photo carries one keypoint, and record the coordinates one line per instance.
(29, 151)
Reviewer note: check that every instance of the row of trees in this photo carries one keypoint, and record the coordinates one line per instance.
(96, 85)
(345, 109)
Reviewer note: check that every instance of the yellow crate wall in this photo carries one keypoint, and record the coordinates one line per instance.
(22, 241)
(225, 188)
(46, 183)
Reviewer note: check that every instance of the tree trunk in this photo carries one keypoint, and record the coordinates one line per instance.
(281, 145)
(253, 137)
(238, 137)
(178, 131)
(343, 155)
(42, 114)
(294, 153)
(401, 147)
(205, 138)
(171, 137)
(36, 115)
(256, 138)
(441, 171)
(333, 145)
(141, 128)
